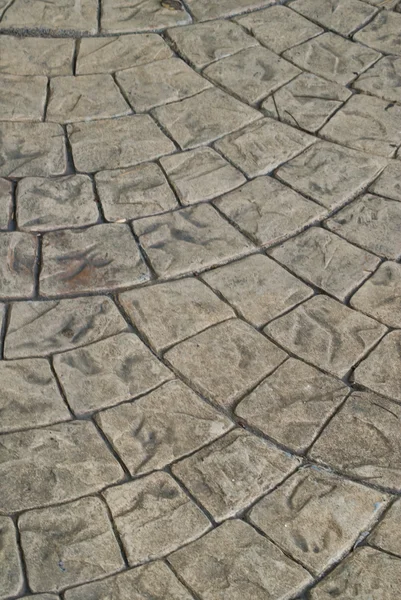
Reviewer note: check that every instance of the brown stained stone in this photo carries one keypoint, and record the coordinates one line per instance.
(69, 544)
(189, 240)
(258, 288)
(17, 264)
(389, 182)
(268, 211)
(363, 441)
(154, 517)
(116, 143)
(108, 372)
(386, 535)
(327, 261)
(41, 328)
(233, 472)
(316, 517)
(292, 405)
(342, 16)
(169, 312)
(22, 98)
(200, 174)
(101, 258)
(6, 204)
(234, 562)
(383, 33)
(203, 10)
(36, 56)
(40, 467)
(326, 333)
(383, 79)
(140, 15)
(29, 395)
(44, 204)
(161, 427)
(11, 577)
(225, 361)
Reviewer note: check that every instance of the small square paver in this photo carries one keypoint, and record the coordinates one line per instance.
(161, 427)
(189, 240)
(258, 288)
(169, 312)
(234, 561)
(36, 55)
(327, 334)
(203, 10)
(389, 182)
(293, 404)
(342, 16)
(327, 261)
(385, 535)
(11, 577)
(383, 33)
(6, 203)
(204, 117)
(233, 472)
(225, 361)
(22, 98)
(69, 544)
(101, 258)
(136, 192)
(17, 264)
(44, 204)
(140, 15)
(154, 517)
(383, 79)
(363, 441)
(268, 211)
(200, 174)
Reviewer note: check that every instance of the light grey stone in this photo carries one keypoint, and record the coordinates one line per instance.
(36, 56)
(203, 10)
(6, 203)
(22, 98)
(342, 16)
(11, 577)
(383, 33)
(17, 264)
(385, 536)
(383, 79)
(140, 15)
(389, 182)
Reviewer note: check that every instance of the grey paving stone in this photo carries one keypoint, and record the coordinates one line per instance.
(327, 261)
(269, 211)
(161, 427)
(11, 577)
(332, 57)
(117, 143)
(204, 43)
(383, 79)
(233, 472)
(69, 544)
(40, 467)
(225, 361)
(234, 562)
(317, 517)
(363, 440)
(154, 517)
(389, 182)
(108, 372)
(6, 204)
(189, 240)
(258, 288)
(293, 404)
(32, 149)
(41, 597)
(22, 98)
(41, 328)
(326, 333)
(200, 174)
(342, 16)
(35, 55)
(140, 15)
(29, 395)
(383, 33)
(44, 204)
(102, 258)
(203, 10)
(204, 117)
(107, 55)
(17, 264)
(279, 28)
(385, 536)
(169, 312)
(330, 174)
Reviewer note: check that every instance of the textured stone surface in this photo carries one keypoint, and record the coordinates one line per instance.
(383, 33)
(385, 536)
(203, 10)
(140, 15)
(154, 517)
(22, 98)
(17, 264)
(383, 79)
(342, 16)
(389, 182)
(36, 56)
(6, 205)
(11, 578)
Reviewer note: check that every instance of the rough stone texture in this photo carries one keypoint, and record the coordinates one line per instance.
(385, 536)
(317, 517)
(170, 312)
(161, 427)
(36, 56)
(332, 57)
(389, 182)
(327, 261)
(327, 334)
(108, 372)
(263, 146)
(139, 15)
(204, 117)
(154, 517)
(112, 144)
(69, 544)
(234, 561)
(189, 240)
(233, 472)
(59, 463)
(342, 16)
(383, 33)
(363, 440)
(226, 360)
(41, 328)
(203, 10)
(6, 204)
(22, 98)
(268, 211)
(17, 264)
(91, 260)
(29, 396)
(44, 204)
(258, 288)
(200, 174)
(383, 79)
(293, 404)
(11, 578)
